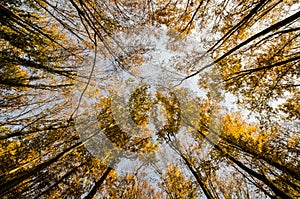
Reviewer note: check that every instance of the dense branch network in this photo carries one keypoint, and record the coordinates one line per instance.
(49, 48)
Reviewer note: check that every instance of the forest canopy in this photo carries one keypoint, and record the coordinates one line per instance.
(150, 99)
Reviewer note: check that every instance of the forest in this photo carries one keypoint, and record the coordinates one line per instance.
(150, 99)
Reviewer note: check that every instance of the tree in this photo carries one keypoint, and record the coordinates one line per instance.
(55, 146)
(176, 185)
